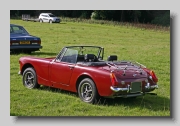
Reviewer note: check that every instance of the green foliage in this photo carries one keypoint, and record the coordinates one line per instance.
(84, 15)
(149, 47)
(160, 17)
(95, 15)
(163, 19)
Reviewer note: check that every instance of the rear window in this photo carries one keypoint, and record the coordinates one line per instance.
(18, 29)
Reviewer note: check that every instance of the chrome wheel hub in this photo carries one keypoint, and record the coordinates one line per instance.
(29, 79)
(86, 91)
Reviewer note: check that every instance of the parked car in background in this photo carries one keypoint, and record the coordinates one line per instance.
(22, 41)
(82, 69)
(48, 17)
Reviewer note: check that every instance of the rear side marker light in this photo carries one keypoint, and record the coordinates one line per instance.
(154, 78)
(113, 79)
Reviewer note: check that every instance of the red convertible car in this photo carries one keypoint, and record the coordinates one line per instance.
(82, 69)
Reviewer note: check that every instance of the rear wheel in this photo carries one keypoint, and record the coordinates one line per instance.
(41, 21)
(87, 91)
(30, 78)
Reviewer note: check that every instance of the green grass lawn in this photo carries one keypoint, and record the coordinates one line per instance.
(148, 47)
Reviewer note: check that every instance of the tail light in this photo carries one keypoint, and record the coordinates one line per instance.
(155, 79)
(152, 74)
(36, 42)
(14, 42)
(113, 79)
(39, 42)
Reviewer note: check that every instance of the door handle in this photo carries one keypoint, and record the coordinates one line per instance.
(71, 67)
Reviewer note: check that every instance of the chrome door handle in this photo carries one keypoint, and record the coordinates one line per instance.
(71, 67)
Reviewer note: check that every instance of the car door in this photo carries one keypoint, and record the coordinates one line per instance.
(61, 72)
(45, 18)
(61, 69)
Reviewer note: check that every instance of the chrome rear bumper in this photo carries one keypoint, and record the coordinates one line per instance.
(148, 86)
(128, 88)
(114, 89)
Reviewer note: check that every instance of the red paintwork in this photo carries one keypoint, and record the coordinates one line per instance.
(65, 75)
(59, 75)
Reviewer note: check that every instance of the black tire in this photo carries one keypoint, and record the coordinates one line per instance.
(41, 21)
(87, 91)
(50, 21)
(30, 78)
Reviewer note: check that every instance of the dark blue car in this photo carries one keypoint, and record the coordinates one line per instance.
(21, 40)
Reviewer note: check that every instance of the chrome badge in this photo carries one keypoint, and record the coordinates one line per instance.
(134, 75)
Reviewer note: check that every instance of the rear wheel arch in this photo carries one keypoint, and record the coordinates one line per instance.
(40, 20)
(81, 78)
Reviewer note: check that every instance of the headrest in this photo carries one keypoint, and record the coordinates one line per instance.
(112, 58)
(90, 57)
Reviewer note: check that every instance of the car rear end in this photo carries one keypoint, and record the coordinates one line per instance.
(130, 81)
(56, 20)
(25, 43)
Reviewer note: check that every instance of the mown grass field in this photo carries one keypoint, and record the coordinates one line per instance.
(148, 47)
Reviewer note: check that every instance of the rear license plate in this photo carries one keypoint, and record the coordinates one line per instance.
(25, 42)
(136, 87)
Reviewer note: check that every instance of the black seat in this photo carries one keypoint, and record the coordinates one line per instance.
(112, 58)
(90, 58)
(80, 58)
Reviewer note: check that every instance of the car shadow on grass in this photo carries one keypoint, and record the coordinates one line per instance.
(152, 102)
(63, 23)
(35, 53)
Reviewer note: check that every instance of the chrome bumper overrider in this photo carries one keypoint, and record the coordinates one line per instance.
(19, 72)
(128, 88)
(148, 86)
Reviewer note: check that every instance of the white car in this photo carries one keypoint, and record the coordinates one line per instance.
(48, 17)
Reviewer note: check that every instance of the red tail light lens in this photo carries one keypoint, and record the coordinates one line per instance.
(36, 42)
(155, 79)
(39, 42)
(113, 79)
(151, 73)
(14, 42)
